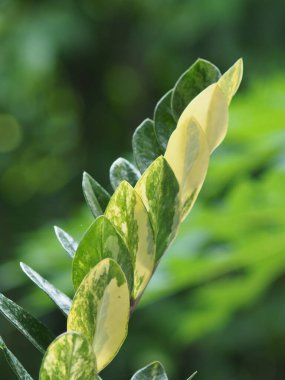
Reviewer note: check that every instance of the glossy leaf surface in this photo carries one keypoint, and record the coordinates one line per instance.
(59, 298)
(100, 310)
(101, 241)
(230, 81)
(153, 371)
(66, 241)
(37, 333)
(129, 216)
(122, 170)
(69, 357)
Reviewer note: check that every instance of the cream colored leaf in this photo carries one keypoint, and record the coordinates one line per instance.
(230, 81)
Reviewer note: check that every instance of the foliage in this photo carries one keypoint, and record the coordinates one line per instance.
(125, 246)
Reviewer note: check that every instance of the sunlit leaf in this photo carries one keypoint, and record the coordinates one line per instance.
(14, 363)
(95, 195)
(230, 81)
(187, 154)
(129, 216)
(164, 123)
(145, 145)
(122, 170)
(37, 333)
(192, 376)
(153, 371)
(100, 310)
(66, 241)
(59, 298)
(101, 241)
(69, 357)
(199, 76)
(159, 190)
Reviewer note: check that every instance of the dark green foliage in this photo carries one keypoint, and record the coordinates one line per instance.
(122, 170)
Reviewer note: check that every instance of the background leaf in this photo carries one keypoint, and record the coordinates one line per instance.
(153, 371)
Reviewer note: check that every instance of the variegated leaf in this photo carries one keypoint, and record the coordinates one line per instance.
(101, 241)
(59, 298)
(69, 357)
(153, 371)
(230, 81)
(14, 363)
(129, 216)
(95, 195)
(199, 76)
(210, 109)
(188, 154)
(145, 145)
(159, 190)
(37, 333)
(100, 310)
(164, 123)
(122, 170)
(66, 241)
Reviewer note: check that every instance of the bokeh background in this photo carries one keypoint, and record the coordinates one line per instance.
(76, 79)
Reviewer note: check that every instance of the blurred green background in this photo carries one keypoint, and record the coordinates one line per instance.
(76, 78)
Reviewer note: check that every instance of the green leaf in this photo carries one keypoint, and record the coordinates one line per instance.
(69, 357)
(66, 241)
(159, 190)
(100, 310)
(59, 298)
(128, 214)
(145, 145)
(95, 195)
(164, 123)
(37, 333)
(188, 154)
(192, 376)
(14, 363)
(101, 241)
(153, 371)
(122, 170)
(199, 76)
(230, 81)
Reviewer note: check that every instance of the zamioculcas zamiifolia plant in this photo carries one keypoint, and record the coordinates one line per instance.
(133, 227)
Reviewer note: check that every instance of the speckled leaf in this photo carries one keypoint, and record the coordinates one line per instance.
(129, 216)
(192, 376)
(153, 371)
(59, 298)
(188, 155)
(69, 357)
(199, 76)
(100, 310)
(145, 145)
(95, 195)
(122, 170)
(14, 363)
(32, 328)
(210, 109)
(66, 241)
(164, 123)
(101, 241)
(230, 81)
(159, 190)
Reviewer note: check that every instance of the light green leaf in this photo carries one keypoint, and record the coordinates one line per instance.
(69, 357)
(14, 363)
(95, 195)
(145, 145)
(101, 241)
(66, 241)
(128, 214)
(164, 123)
(32, 328)
(192, 376)
(188, 155)
(153, 371)
(100, 310)
(158, 189)
(121, 170)
(59, 298)
(199, 76)
(230, 81)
